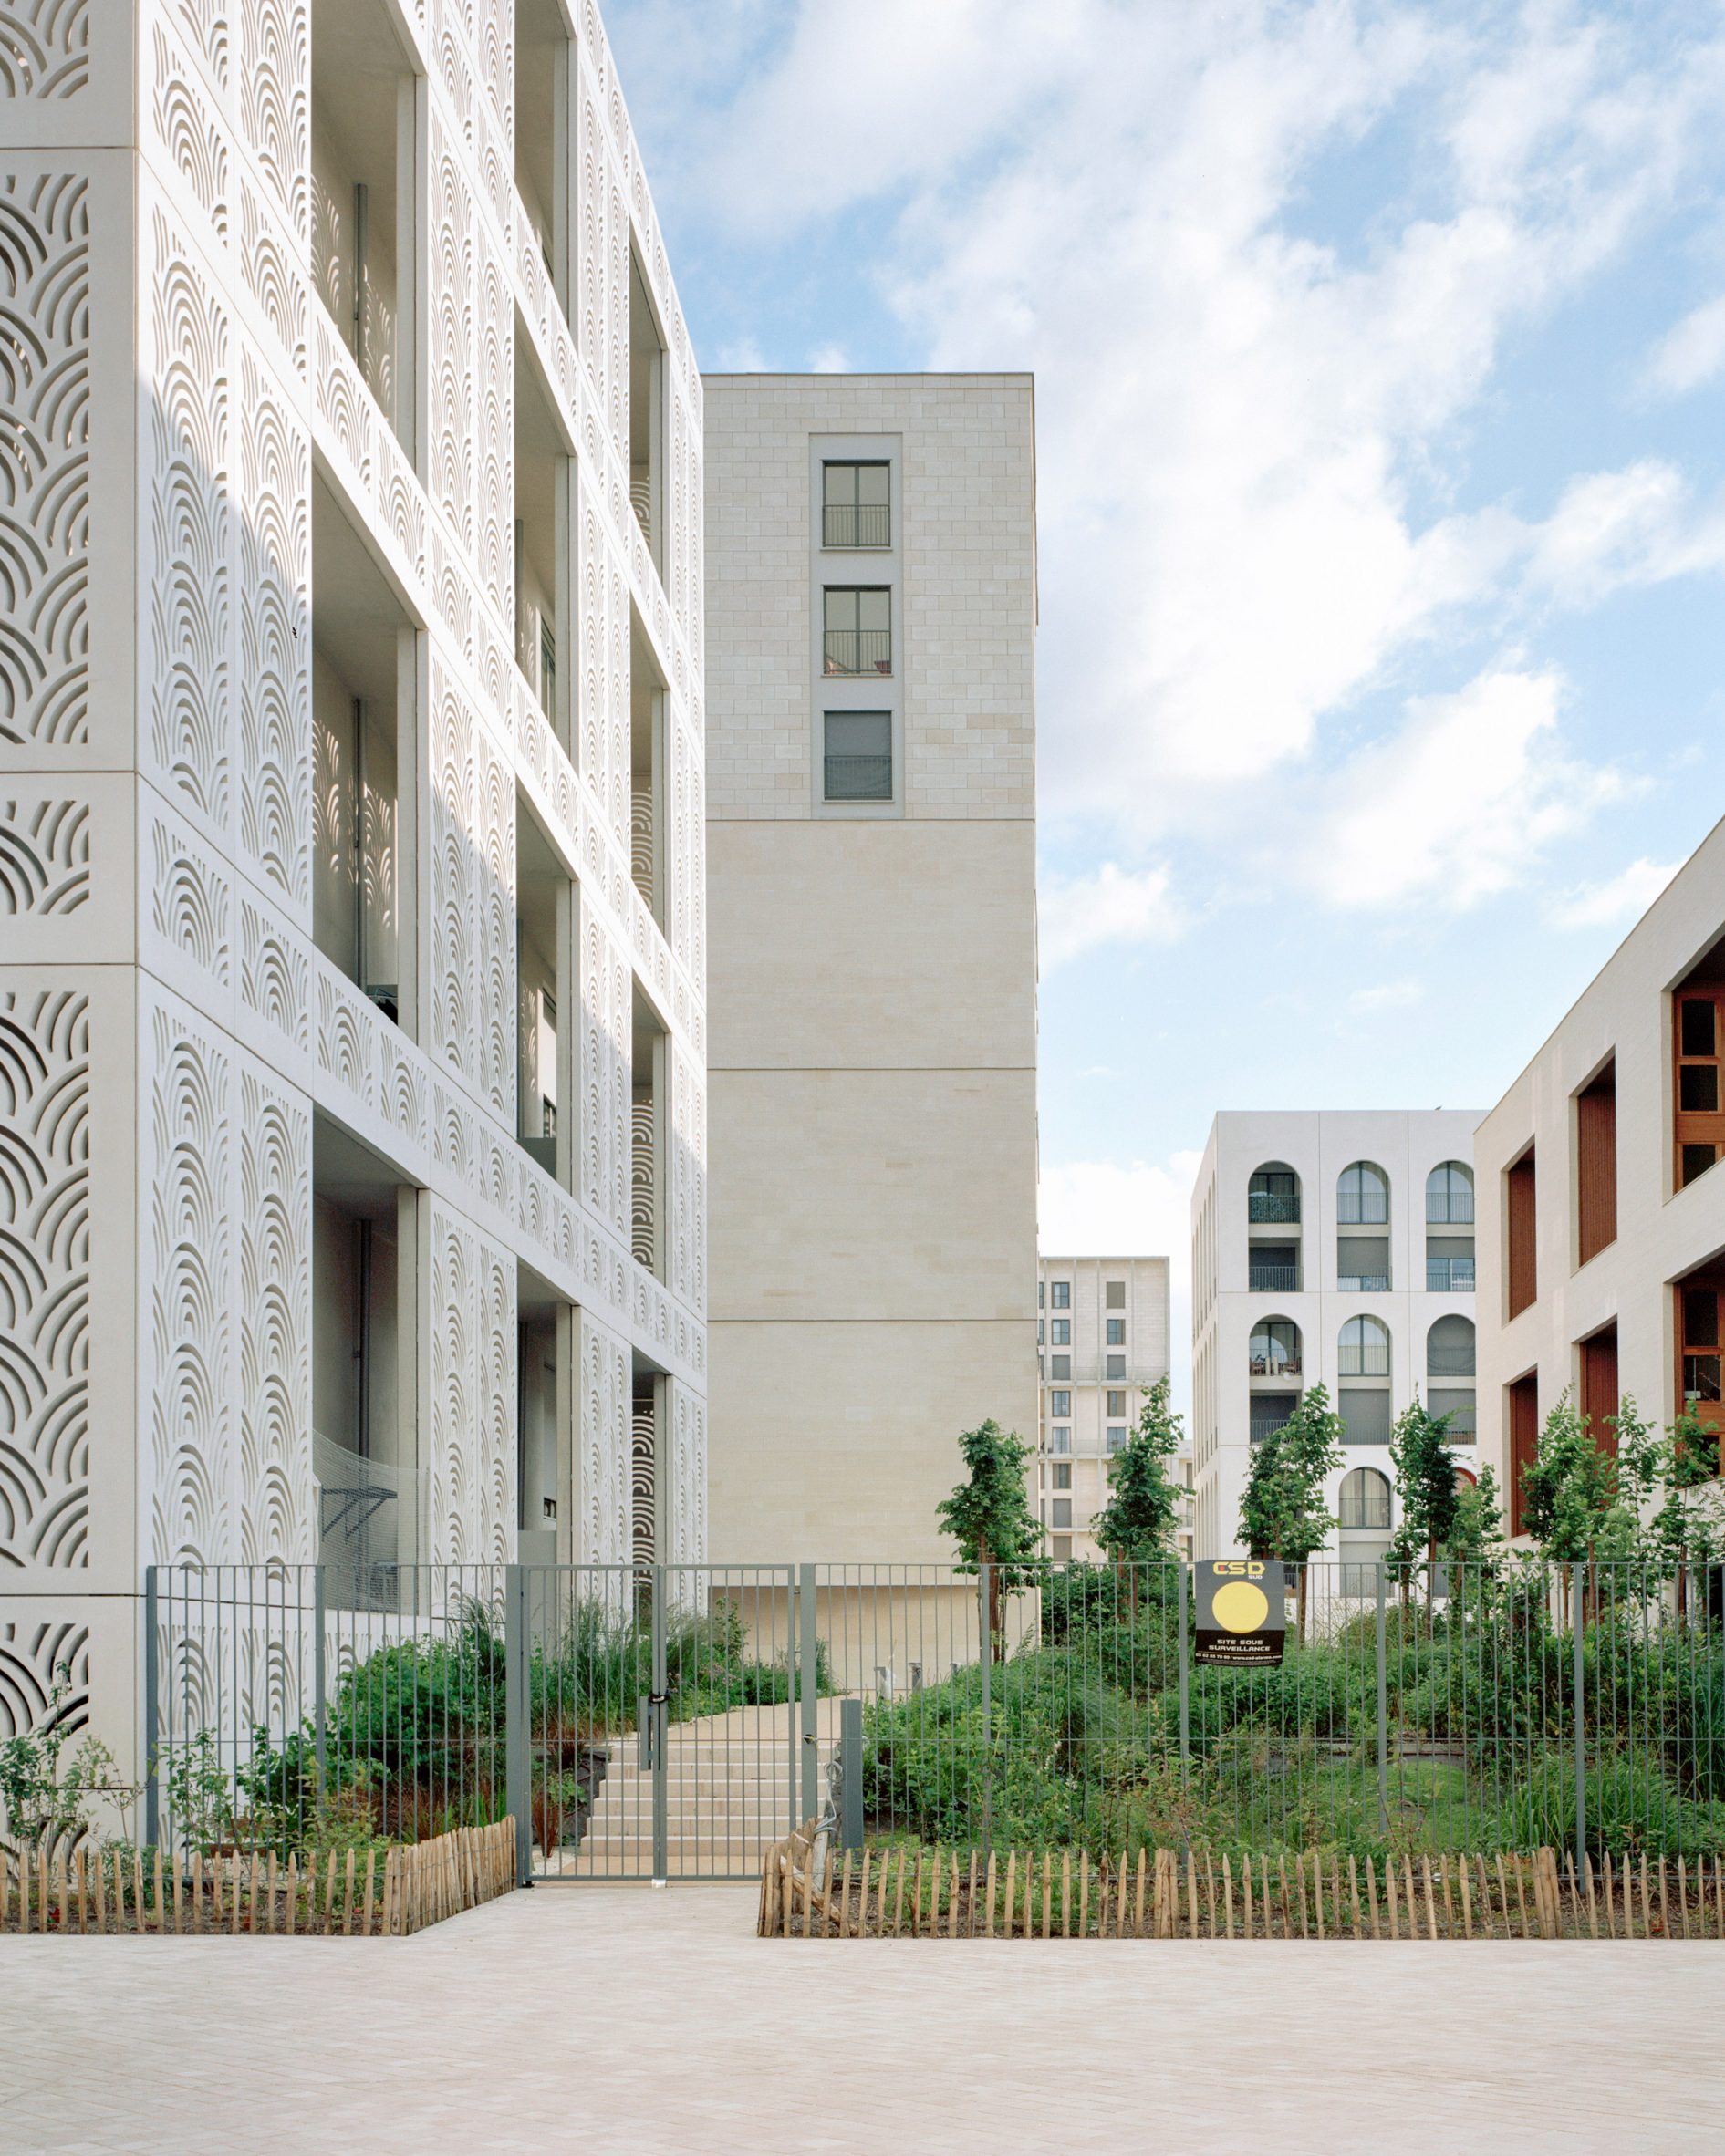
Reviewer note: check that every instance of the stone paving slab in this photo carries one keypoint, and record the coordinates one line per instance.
(604, 2019)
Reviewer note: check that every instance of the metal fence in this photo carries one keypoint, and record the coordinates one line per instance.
(672, 1722)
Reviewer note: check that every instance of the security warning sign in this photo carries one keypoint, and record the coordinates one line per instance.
(1242, 1612)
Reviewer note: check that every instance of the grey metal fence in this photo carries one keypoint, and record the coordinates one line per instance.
(672, 1722)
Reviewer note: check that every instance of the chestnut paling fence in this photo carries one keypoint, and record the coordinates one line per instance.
(678, 1722)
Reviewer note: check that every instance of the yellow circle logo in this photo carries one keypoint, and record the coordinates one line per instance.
(1239, 1606)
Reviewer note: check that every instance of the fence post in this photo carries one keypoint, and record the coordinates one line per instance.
(987, 1638)
(517, 1710)
(808, 1686)
(850, 1722)
(1383, 1711)
(1579, 1688)
(1185, 1679)
(792, 1747)
(152, 1707)
(318, 1674)
(659, 1710)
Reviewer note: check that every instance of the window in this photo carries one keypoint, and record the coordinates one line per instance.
(1273, 1268)
(1039, 1338)
(1599, 1386)
(1114, 1295)
(858, 630)
(1062, 1473)
(1116, 1437)
(1060, 1332)
(1060, 1405)
(1699, 1017)
(1362, 1195)
(1459, 1404)
(1449, 1198)
(1699, 1300)
(1523, 1417)
(1115, 1366)
(1520, 1195)
(1060, 1294)
(1061, 1509)
(1364, 1348)
(1060, 1440)
(1450, 1348)
(856, 756)
(1365, 1413)
(1116, 1402)
(1041, 1294)
(1274, 1194)
(1060, 1365)
(1596, 1165)
(855, 504)
(1362, 1263)
(1062, 1550)
(1275, 1348)
(1117, 1331)
(1365, 1499)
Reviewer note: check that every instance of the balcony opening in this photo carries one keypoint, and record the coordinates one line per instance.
(1362, 1392)
(1269, 1413)
(1698, 1045)
(646, 773)
(646, 1140)
(646, 416)
(364, 1437)
(1599, 1385)
(1272, 1196)
(857, 629)
(364, 705)
(544, 929)
(364, 169)
(857, 506)
(1450, 1212)
(542, 134)
(542, 1470)
(1275, 1351)
(644, 1465)
(1450, 1355)
(1273, 1268)
(543, 649)
(1362, 1517)
(1521, 1417)
(856, 756)
(1700, 1328)
(1521, 1207)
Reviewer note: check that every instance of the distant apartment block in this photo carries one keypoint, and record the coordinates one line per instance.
(1337, 1248)
(351, 841)
(1602, 1198)
(1102, 1337)
(871, 571)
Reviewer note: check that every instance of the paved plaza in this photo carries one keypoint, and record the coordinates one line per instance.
(613, 2018)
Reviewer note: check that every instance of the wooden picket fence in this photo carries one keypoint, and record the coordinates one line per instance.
(897, 1892)
(384, 1894)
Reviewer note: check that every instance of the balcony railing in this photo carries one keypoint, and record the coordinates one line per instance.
(1272, 1205)
(1450, 1212)
(858, 651)
(1450, 1362)
(1364, 1283)
(1449, 1276)
(1274, 1279)
(858, 778)
(1356, 1208)
(1363, 1361)
(1266, 1366)
(1266, 1425)
(856, 523)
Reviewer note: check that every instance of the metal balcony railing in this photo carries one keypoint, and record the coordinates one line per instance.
(1270, 1366)
(1364, 1283)
(858, 651)
(1454, 1211)
(1449, 1276)
(1266, 1425)
(1362, 1208)
(858, 778)
(1272, 1205)
(1272, 1279)
(1363, 1361)
(856, 523)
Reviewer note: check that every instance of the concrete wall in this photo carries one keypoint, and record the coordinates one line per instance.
(873, 969)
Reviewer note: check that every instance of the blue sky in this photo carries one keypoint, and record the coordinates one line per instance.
(1380, 361)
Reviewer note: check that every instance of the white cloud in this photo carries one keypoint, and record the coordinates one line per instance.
(1128, 1209)
(1623, 897)
(1457, 804)
(1114, 906)
(744, 356)
(1637, 525)
(828, 359)
(1691, 352)
(1388, 995)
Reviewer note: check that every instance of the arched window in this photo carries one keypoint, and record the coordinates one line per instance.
(1450, 1348)
(1275, 1348)
(1362, 1195)
(1466, 1481)
(1364, 1349)
(1450, 1195)
(1273, 1193)
(1365, 1499)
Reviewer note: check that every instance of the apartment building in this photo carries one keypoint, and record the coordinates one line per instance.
(1602, 1210)
(351, 837)
(1102, 1338)
(1337, 1248)
(871, 576)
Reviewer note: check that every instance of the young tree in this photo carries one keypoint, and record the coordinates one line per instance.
(1140, 1520)
(1282, 1512)
(1425, 1482)
(1476, 1536)
(990, 1519)
(1570, 1500)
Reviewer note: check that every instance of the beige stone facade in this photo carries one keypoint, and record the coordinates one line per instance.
(873, 950)
(1601, 1195)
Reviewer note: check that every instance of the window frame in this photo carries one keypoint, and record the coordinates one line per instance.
(865, 801)
(856, 466)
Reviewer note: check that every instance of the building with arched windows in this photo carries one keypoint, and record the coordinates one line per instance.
(1333, 1249)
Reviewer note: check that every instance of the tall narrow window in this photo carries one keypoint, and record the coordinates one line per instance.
(1596, 1165)
(855, 508)
(1521, 1414)
(1697, 1093)
(1520, 1205)
(1698, 1298)
(856, 763)
(1599, 1385)
(857, 629)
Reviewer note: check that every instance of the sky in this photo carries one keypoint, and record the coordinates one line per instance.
(1381, 388)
